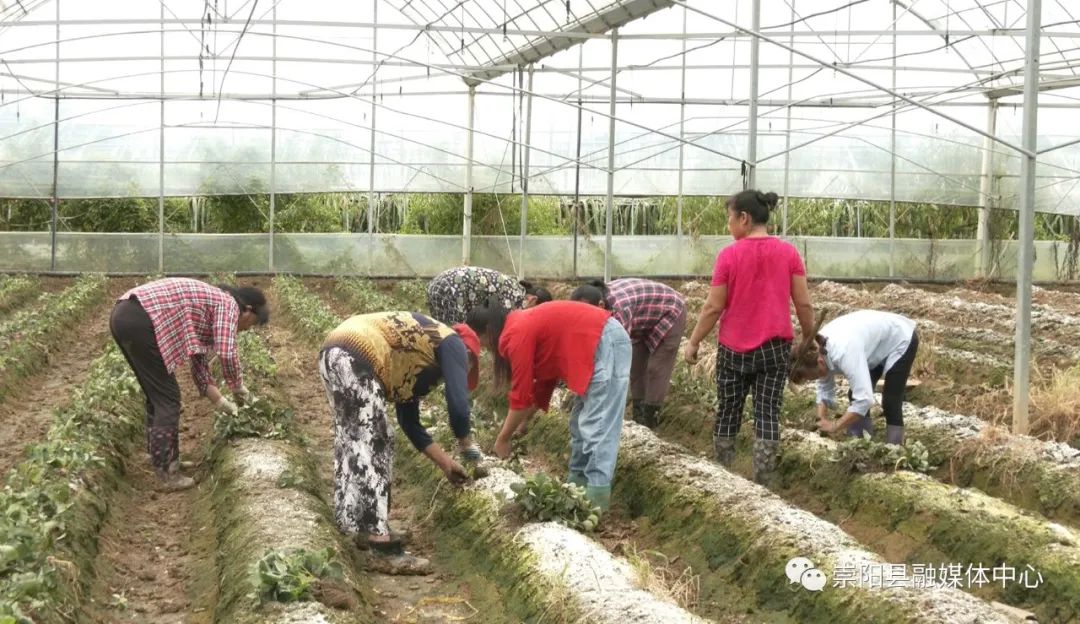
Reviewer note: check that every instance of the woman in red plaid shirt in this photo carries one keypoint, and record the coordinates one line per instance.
(160, 325)
(654, 315)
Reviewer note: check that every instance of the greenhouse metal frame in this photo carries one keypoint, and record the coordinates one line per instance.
(184, 98)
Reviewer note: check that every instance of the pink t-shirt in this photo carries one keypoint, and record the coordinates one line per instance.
(757, 272)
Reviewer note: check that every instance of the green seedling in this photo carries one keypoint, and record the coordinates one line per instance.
(866, 455)
(291, 576)
(545, 499)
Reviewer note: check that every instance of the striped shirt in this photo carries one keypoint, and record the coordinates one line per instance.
(191, 319)
(647, 309)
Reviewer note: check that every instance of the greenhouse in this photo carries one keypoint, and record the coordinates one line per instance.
(339, 156)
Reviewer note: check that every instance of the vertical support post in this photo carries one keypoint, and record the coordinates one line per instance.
(577, 157)
(161, 152)
(787, 127)
(55, 203)
(273, 135)
(986, 189)
(1026, 194)
(892, 159)
(525, 176)
(611, 152)
(750, 179)
(372, 212)
(682, 134)
(466, 226)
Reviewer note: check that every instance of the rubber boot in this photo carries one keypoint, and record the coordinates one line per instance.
(650, 415)
(765, 455)
(599, 495)
(391, 558)
(894, 434)
(173, 482)
(859, 426)
(577, 479)
(725, 450)
(177, 465)
(637, 411)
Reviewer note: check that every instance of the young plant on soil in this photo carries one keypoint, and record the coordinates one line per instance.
(867, 455)
(309, 316)
(543, 498)
(28, 335)
(293, 576)
(15, 290)
(363, 297)
(411, 293)
(260, 419)
(47, 492)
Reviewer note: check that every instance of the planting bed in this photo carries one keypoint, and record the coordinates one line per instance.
(93, 541)
(732, 530)
(450, 593)
(14, 290)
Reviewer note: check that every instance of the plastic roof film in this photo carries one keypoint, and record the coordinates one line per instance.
(186, 97)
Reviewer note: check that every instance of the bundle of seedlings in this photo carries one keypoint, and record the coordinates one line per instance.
(864, 454)
(543, 498)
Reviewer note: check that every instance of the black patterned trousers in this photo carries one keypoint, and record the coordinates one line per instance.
(762, 371)
(363, 443)
(133, 332)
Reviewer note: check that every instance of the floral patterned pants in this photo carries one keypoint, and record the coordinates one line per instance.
(363, 443)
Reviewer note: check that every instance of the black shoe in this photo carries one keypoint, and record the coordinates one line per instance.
(390, 558)
(650, 415)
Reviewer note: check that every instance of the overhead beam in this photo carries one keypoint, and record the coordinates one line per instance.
(591, 25)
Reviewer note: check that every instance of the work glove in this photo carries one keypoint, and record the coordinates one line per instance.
(244, 396)
(225, 406)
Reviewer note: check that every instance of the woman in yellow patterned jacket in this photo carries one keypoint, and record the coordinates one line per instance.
(367, 362)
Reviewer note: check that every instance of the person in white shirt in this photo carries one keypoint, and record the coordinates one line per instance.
(863, 346)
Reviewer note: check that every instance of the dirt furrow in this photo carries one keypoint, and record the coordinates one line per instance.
(441, 597)
(156, 557)
(26, 413)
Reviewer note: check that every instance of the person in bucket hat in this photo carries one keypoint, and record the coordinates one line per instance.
(366, 363)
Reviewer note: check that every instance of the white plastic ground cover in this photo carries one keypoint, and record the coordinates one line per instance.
(965, 427)
(844, 299)
(603, 586)
(973, 500)
(283, 517)
(824, 543)
(962, 301)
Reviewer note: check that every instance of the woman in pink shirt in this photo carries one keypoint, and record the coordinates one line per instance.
(755, 280)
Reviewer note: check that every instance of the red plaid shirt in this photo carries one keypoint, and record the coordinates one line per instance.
(645, 308)
(192, 318)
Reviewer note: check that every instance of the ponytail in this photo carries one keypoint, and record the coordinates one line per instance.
(754, 203)
(542, 294)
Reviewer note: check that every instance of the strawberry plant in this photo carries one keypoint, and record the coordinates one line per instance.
(543, 498)
(291, 576)
(14, 290)
(363, 297)
(28, 335)
(261, 419)
(255, 356)
(309, 316)
(867, 455)
(45, 493)
(412, 294)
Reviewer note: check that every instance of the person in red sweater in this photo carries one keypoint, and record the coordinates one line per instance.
(754, 283)
(573, 342)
